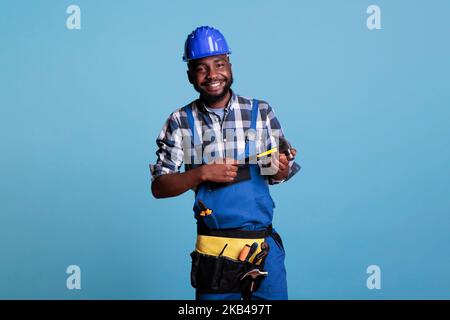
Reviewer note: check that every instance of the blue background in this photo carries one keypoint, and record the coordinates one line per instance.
(368, 111)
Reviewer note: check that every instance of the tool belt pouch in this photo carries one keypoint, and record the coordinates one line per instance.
(215, 274)
(220, 274)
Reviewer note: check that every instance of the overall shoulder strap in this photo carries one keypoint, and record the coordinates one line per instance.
(255, 110)
(197, 150)
(250, 146)
(191, 122)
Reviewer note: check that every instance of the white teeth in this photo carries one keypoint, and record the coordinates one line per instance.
(214, 84)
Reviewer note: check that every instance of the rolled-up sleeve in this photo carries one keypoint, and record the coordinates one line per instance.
(169, 156)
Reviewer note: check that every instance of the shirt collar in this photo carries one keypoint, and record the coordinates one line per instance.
(230, 106)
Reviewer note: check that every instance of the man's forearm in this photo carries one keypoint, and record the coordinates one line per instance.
(174, 184)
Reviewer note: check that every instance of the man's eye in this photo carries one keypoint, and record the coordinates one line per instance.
(200, 69)
(220, 65)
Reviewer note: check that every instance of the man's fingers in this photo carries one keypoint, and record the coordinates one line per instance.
(231, 161)
(283, 159)
(231, 167)
(293, 152)
(231, 174)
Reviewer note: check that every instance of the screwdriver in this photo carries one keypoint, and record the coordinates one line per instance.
(251, 251)
(244, 253)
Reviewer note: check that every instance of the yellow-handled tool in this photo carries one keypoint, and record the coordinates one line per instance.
(205, 211)
(262, 154)
(265, 153)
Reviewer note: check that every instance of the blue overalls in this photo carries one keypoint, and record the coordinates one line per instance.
(243, 205)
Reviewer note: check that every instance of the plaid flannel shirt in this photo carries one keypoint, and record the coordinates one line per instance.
(174, 140)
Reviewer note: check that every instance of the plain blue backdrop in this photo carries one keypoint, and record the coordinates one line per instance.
(368, 111)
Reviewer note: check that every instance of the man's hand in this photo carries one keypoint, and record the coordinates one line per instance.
(219, 172)
(283, 165)
(173, 184)
(283, 168)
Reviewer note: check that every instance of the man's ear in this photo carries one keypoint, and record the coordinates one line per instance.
(189, 76)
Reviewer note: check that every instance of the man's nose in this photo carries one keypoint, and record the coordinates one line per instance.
(212, 74)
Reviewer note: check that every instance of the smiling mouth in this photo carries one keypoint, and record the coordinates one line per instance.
(214, 85)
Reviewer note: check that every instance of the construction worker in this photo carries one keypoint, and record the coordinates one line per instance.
(233, 149)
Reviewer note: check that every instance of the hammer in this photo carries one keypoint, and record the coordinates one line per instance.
(254, 273)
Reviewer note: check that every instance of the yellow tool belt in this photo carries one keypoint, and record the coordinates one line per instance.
(229, 243)
(213, 246)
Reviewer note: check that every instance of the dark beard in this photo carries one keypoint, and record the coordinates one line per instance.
(211, 99)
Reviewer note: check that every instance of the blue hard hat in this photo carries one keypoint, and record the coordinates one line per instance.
(204, 42)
